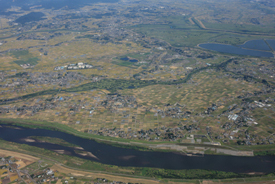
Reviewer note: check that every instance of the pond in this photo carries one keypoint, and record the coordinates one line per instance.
(230, 49)
(271, 43)
(124, 59)
(128, 59)
(256, 45)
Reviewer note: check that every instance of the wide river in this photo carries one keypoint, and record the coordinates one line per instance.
(108, 154)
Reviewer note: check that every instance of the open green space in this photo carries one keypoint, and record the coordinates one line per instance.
(24, 57)
(179, 32)
(32, 61)
(124, 63)
(20, 54)
(185, 38)
(127, 63)
(241, 28)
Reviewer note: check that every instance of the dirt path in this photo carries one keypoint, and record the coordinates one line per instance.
(101, 175)
(4, 153)
(191, 21)
(201, 24)
(161, 56)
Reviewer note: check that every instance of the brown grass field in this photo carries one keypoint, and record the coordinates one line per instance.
(24, 159)
(77, 173)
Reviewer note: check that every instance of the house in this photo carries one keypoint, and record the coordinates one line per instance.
(88, 66)
(50, 172)
(233, 117)
(6, 181)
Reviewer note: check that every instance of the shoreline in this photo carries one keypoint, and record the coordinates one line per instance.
(148, 146)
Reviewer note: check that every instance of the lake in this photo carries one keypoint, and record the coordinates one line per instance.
(108, 154)
(30, 17)
(256, 45)
(49, 4)
(271, 43)
(230, 49)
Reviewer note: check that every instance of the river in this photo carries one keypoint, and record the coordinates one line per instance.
(108, 154)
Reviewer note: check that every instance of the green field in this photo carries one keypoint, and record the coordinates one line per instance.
(179, 32)
(24, 57)
(32, 61)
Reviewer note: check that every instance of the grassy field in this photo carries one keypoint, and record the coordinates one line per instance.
(180, 32)
(240, 28)
(24, 57)
(31, 61)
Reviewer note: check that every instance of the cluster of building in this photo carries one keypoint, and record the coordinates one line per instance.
(211, 109)
(44, 176)
(162, 133)
(31, 110)
(42, 78)
(260, 104)
(114, 101)
(76, 66)
(174, 111)
(11, 172)
(35, 36)
(240, 118)
(27, 65)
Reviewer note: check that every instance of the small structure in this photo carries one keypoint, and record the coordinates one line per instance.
(77, 66)
(233, 117)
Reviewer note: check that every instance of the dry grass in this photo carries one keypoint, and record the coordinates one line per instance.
(27, 159)
(99, 175)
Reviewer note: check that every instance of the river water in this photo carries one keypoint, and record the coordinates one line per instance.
(108, 154)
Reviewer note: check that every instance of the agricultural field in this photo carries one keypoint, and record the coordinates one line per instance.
(135, 71)
(143, 76)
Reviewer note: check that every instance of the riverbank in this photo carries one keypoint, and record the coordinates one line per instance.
(83, 168)
(164, 146)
